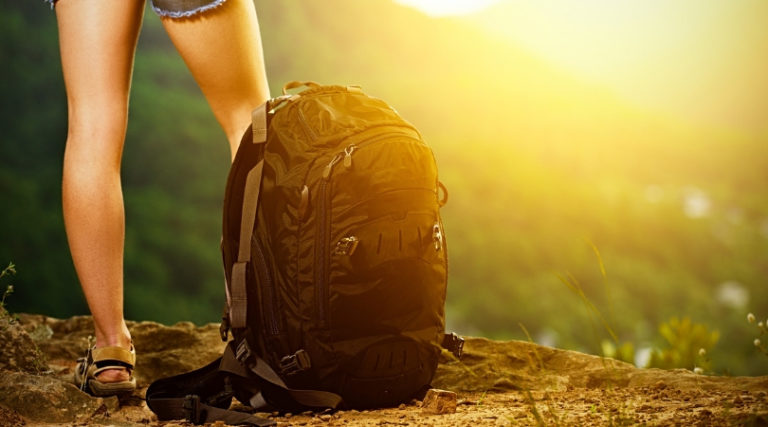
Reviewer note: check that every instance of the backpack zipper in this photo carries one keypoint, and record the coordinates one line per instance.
(322, 228)
(323, 223)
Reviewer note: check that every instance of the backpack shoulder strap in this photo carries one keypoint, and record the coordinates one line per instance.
(239, 297)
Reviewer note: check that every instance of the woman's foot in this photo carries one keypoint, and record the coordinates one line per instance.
(107, 369)
(122, 340)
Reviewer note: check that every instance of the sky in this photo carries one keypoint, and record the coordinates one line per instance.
(700, 60)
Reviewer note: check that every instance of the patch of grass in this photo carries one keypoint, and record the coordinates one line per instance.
(534, 410)
(685, 341)
(4, 314)
(7, 319)
(762, 327)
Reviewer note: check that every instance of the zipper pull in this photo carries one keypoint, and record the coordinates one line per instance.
(348, 155)
(346, 246)
(303, 203)
(437, 236)
(331, 164)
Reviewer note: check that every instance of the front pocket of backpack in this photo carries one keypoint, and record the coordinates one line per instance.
(383, 274)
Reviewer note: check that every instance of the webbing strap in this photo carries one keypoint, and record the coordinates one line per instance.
(239, 298)
(199, 396)
(256, 366)
(259, 120)
(191, 409)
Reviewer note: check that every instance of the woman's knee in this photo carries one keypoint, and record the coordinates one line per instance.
(96, 134)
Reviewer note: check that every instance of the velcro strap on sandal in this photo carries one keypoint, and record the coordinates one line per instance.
(115, 354)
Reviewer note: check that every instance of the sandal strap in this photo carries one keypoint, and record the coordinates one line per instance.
(109, 367)
(118, 354)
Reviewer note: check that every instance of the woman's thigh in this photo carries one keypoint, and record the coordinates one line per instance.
(97, 40)
(222, 48)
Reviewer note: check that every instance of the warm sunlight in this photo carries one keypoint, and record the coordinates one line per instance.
(660, 54)
(447, 7)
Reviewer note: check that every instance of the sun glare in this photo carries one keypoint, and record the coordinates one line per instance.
(664, 55)
(447, 7)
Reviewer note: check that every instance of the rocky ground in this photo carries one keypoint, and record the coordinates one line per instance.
(497, 383)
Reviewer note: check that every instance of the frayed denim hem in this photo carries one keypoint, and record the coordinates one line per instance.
(185, 13)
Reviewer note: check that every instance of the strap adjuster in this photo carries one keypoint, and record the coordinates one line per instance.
(191, 408)
(295, 363)
(243, 351)
(454, 344)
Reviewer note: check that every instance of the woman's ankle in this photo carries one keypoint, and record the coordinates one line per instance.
(119, 338)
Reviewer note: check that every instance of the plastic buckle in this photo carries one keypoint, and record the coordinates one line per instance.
(454, 344)
(295, 363)
(191, 408)
(243, 351)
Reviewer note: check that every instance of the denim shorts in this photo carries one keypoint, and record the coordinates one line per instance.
(177, 8)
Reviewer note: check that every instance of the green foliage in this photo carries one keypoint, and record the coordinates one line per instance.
(4, 315)
(684, 341)
(7, 271)
(624, 352)
(762, 328)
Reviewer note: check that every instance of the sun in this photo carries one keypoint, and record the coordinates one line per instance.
(447, 7)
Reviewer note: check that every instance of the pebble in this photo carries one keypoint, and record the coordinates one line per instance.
(439, 402)
(325, 417)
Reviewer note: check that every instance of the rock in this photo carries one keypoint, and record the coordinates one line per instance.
(439, 402)
(161, 351)
(17, 350)
(46, 399)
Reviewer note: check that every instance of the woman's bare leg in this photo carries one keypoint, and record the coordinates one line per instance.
(97, 40)
(222, 48)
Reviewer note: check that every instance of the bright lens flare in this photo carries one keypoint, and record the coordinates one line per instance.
(447, 7)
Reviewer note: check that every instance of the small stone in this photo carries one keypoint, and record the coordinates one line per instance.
(325, 417)
(660, 385)
(439, 402)
(288, 415)
(401, 407)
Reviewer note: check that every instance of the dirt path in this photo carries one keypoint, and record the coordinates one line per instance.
(497, 383)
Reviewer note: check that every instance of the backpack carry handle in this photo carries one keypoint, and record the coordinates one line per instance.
(294, 84)
(443, 200)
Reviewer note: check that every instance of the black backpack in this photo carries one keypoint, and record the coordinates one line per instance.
(335, 260)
